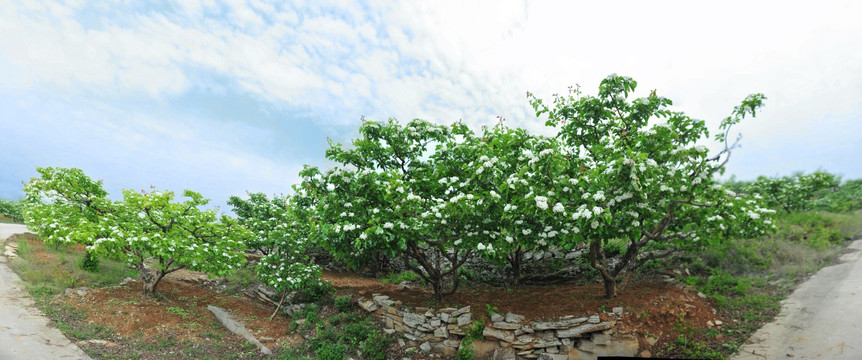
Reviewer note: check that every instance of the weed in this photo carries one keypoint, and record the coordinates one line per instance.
(344, 303)
(491, 310)
(178, 311)
(397, 278)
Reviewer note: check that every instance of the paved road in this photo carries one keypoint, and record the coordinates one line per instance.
(24, 332)
(822, 319)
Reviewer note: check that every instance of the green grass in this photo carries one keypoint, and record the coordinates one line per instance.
(397, 278)
(747, 278)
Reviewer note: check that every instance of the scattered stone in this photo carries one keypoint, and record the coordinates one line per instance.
(497, 318)
(463, 310)
(709, 323)
(237, 328)
(548, 356)
(447, 310)
(401, 342)
(646, 354)
(506, 326)
(618, 311)
(600, 338)
(389, 331)
(426, 346)
(583, 329)
(594, 319)
(367, 305)
(558, 325)
(413, 320)
(104, 343)
(719, 323)
(514, 318)
(701, 295)
(126, 281)
(445, 317)
(651, 340)
(464, 319)
(81, 291)
(492, 333)
(504, 354)
(791, 354)
(435, 323)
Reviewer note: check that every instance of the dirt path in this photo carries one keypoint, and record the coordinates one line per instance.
(24, 332)
(822, 319)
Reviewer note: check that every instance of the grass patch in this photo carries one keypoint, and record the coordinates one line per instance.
(747, 278)
(397, 278)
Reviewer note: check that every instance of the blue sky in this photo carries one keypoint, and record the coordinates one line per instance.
(224, 97)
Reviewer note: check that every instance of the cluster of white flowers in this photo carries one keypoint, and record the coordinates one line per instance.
(541, 202)
(559, 208)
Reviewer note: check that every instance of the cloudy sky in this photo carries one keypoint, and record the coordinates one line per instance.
(224, 97)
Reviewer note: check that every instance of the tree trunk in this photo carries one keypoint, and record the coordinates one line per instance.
(515, 258)
(597, 261)
(151, 282)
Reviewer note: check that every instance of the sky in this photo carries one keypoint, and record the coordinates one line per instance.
(228, 97)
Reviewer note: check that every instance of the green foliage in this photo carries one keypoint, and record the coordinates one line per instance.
(636, 172)
(13, 210)
(281, 229)
(178, 311)
(344, 303)
(65, 206)
(90, 262)
(316, 292)
(465, 352)
(397, 278)
(796, 192)
(342, 335)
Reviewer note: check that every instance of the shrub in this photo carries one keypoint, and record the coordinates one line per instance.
(344, 303)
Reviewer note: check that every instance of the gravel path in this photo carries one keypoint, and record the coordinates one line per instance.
(822, 319)
(24, 332)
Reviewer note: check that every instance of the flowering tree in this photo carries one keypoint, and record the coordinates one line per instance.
(637, 174)
(795, 192)
(281, 229)
(518, 175)
(148, 230)
(403, 191)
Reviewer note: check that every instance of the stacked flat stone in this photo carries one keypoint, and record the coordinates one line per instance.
(508, 336)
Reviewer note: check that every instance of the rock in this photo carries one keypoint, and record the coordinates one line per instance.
(618, 311)
(464, 319)
(583, 329)
(594, 319)
(572, 255)
(651, 340)
(514, 318)
(504, 354)
(492, 333)
(447, 310)
(389, 331)
(448, 352)
(463, 310)
(413, 320)
(548, 356)
(623, 346)
(426, 346)
(81, 291)
(227, 320)
(709, 323)
(600, 339)
(552, 350)
(719, 323)
(104, 343)
(367, 305)
(542, 343)
(577, 354)
(506, 326)
(483, 349)
(435, 323)
(646, 354)
(401, 342)
(497, 317)
(445, 317)
(126, 281)
(586, 345)
(558, 325)
(701, 295)
(441, 332)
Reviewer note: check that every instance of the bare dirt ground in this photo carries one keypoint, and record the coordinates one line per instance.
(654, 311)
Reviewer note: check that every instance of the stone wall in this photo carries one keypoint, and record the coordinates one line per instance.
(508, 336)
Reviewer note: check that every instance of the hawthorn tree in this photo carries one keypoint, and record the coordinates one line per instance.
(796, 192)
(148, 230)
(282, 229)
(637, 173)
(402, 190)
(518, 175)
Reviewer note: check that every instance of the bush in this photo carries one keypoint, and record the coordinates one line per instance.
(317, 292)
(12, 210)
(344, 303)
